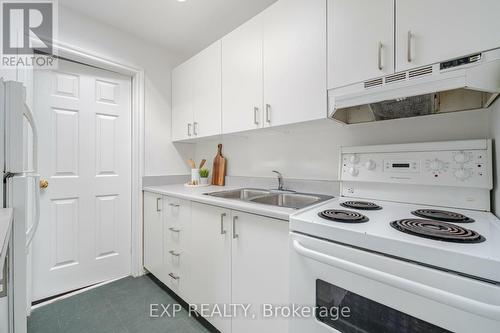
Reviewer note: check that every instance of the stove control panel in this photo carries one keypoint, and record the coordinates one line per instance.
(456, 163)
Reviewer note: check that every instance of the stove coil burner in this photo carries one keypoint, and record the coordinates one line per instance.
(344, 216)
(362, 205)
(442, 215)
(437, 230)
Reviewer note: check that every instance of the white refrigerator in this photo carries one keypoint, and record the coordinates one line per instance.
(20, 191)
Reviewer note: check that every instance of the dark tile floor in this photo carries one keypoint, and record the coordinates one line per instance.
(121, 306)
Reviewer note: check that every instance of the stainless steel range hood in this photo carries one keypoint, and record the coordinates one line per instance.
(468, 83)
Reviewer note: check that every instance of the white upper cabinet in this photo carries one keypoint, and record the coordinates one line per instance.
(242, 78)
(270, 71)
(182, 102)
(196, 95)
(429, 31)
(360, 40)
(294, 62)
(207, 91)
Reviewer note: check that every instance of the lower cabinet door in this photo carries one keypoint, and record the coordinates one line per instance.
(210, 263)
(259, 272)
(153, 234)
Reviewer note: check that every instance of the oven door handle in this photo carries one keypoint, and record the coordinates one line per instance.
(486, 310)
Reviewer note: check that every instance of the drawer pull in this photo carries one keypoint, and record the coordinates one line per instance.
(235, 235)
(174, 229)
(175, 254)
(222, 231)
(173, 276)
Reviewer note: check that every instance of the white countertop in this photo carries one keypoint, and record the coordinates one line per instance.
(197, 195)
(6, 215)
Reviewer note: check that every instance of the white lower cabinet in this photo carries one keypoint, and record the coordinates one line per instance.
(153, 234)
(259, 271)
(214, 257)
(210, 277)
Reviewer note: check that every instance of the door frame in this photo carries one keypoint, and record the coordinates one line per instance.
(87, 57)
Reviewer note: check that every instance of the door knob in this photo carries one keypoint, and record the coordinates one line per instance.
(44, 183)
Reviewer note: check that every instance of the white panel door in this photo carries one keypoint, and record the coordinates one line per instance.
(210, 262)
(429, 31)
(295, 62)
(242, 78)
(259, 271)
(206, 82)
(360, 40)
(182, 102)
(84, 117)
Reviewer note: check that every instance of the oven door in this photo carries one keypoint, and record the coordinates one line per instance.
(353, 291)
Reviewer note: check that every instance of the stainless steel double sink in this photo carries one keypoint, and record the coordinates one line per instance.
(286, 199)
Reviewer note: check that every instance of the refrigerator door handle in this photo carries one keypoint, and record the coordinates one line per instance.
(29, 116)
(36, 218)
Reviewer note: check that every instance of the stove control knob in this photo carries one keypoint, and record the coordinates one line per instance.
(370, 165)
(354, 159)
(462, 174)
(353, 172)
(461, 158)
(436, 165)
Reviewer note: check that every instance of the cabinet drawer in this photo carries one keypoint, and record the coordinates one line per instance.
(177, 212)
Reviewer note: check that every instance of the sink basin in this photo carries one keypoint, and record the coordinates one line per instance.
(268, 197)
(290, 200)
(241, 194)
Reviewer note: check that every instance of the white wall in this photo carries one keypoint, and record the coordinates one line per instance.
(310, 151)
(161, 156)
(495, 135)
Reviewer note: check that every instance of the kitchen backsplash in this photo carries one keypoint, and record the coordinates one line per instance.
(310, 150)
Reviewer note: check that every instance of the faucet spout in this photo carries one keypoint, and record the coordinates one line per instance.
(280, 180)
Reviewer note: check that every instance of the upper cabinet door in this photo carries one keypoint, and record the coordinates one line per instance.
(294, 62)
(182, 102)
(429, 31)
(242, 77)
(360, 40)
(206, 82)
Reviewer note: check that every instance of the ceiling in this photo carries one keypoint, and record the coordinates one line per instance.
(181, 27)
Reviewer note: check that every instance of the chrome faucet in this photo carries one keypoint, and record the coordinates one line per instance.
(280, 180)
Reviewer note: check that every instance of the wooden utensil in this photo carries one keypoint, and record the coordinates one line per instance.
(219, 168)
(191, 163)
(202, 163)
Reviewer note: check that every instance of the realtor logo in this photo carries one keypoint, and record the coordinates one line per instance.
(28, 33)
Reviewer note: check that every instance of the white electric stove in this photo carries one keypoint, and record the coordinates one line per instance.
(410, 246)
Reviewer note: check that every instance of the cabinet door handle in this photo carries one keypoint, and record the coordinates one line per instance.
(173, 276)
(175, 254)
(195, 128)
(222, 231)
(235, 235)
(174, 229)
(255, 115)
(268, 113)
(408, 47)
(158, 200)
(174, 205)
(189, 129)
(380, 46)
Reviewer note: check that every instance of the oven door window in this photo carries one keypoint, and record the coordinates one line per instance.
(348, 312)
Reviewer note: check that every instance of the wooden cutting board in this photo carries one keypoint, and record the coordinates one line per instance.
(219, 168)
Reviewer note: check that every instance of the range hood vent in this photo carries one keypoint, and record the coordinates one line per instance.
(467, 83)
